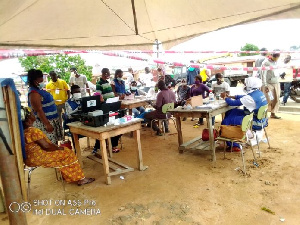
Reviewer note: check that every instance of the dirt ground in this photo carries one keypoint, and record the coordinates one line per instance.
(180, 188)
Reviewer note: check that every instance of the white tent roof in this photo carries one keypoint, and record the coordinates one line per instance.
(110, 24)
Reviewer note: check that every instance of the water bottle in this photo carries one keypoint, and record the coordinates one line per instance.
(211, 97)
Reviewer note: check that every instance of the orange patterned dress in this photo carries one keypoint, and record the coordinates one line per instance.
(64, 160)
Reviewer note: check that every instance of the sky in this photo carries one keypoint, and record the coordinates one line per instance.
(274, 34)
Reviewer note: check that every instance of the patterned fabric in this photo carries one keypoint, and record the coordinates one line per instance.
(48, 103)
(183, 93)
(64, 160)
(105, 89)
(56, 135)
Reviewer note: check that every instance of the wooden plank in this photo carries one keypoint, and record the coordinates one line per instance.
(120, 172)
(96, 159)
(17, 140)
(190, 142)
(118, 163)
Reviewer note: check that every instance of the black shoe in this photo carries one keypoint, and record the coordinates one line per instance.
(184, 119)
(167, 131)
(158, 133)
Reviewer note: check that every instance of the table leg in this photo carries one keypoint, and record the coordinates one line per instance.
(78, 150)
(211, 138)
(137, 135)
(109, 147)
(88, 142)
(105, 161)
(130, 112)
(179, 132)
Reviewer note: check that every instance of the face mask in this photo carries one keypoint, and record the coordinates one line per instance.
(133, 88)
(197, 82)
(77, 96)
(41, 85)
(220, 80)
(156, 89)
(72, 74)
(119, 79)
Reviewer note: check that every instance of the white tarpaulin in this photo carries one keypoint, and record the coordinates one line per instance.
(126, 24)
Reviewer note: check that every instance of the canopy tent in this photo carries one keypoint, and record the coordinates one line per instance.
(126, 24)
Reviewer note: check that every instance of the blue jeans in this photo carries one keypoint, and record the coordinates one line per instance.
(137, 111)
(287, 91)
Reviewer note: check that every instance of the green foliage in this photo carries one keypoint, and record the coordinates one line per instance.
(61, 63)
(249, 47)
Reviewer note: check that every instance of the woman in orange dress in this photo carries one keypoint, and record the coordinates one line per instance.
(40, 151)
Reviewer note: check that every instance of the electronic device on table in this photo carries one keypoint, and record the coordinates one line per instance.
(95, 113)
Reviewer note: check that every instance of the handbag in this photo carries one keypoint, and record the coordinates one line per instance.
(205, 134)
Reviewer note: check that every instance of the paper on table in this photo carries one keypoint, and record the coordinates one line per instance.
(129, 97)
(112, 100)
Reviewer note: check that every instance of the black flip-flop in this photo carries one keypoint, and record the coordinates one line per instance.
(90, 180)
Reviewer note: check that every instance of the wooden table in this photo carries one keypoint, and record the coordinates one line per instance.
(130, 104)
(196, 113)
(105, 133)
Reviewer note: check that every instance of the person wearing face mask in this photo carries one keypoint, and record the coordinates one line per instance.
(270, 83)
(134, 90)
(79, 80)
(220, 86)
(103, 85)
(251, 102)
(74, 103)
(43, 105)
(118, 85)
(199, 89)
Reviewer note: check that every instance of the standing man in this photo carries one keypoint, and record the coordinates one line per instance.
(129, 76)
(103, 85)
(60, 91)
(287, 79)
(270, 84)
(259, 61)
(79, 80)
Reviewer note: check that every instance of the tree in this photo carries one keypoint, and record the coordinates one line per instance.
(61, 63)
(249, 47)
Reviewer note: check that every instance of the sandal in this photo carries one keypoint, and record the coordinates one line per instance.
(115, 150)
(86, 181)
(275, 117)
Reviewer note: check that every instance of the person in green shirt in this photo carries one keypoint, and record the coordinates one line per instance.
(103, 85)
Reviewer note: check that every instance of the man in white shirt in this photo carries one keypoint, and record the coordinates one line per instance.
(129, 76)
(79, 80)
(220, 86)
(146, 79)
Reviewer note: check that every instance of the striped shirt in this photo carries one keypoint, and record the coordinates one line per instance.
(104, 87)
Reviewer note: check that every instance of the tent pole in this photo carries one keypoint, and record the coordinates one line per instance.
(134, 17)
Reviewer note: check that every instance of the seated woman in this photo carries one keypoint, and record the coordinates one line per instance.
(118, 85)
(40, 151)
(251, 102)
(134, 90)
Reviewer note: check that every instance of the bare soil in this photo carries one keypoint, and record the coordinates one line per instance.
(182, 188)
